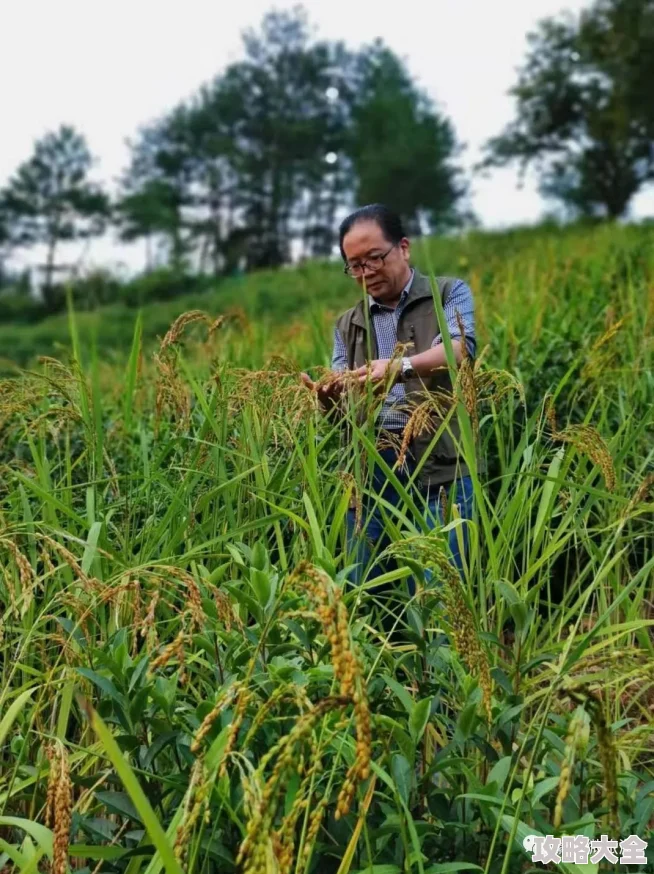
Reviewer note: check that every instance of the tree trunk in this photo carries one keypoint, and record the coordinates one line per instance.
(49, 272)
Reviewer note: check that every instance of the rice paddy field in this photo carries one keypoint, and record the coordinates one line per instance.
(187, 684)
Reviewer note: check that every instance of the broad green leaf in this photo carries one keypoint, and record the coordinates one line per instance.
(400, 691)
(543, 788)
(466, 721)
(103, 683)
(379, 869)
(449, 867)
(133, 787)
(547, 496)
(41, 834)
(261, 583)
(118, 802)
(12, 713)
(92, 851)
(500, 771)
(403, 776)
(419, 718)
(90, 550)
(14, 853)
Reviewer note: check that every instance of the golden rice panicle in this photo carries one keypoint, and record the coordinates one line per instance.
(171, 394)
(196, 800)
(466, 380)
(59, 805)
(641, 494)
(25, 573)
(550, 414)
(462, 331)
(284, 842)
(69, 559)
(466, 639)
(359, 771)
(420, 420)
(52, 754)
(213, 327)
(193, 597)
(174, 648)
(356, 501)
(223, 700)
(432, 553)
(493, 385)
(466, 377)
(148, 629)
(225, 610)
(47, 562)
(315, 821)
(347, 670)
(587, 441)
(244, 697)
(257, 844)
(179, 326)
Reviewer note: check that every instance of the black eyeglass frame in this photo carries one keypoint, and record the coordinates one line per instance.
(360, 268)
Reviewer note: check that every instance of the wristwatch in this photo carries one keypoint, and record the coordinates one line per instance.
(407, 371)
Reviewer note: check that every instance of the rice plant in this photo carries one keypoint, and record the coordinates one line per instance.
(190, 684)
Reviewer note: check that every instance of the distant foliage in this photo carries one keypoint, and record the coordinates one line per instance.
(584, 114)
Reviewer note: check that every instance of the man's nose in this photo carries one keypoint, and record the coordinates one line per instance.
(368, 271)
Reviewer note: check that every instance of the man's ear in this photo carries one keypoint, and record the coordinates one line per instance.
(405, 248)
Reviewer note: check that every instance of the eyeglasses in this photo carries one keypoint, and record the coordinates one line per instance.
(375, 262)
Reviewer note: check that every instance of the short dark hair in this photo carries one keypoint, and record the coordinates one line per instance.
(389, 221)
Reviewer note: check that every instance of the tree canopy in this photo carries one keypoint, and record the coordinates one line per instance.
(267, 153)
(50, 199)
(584, 113)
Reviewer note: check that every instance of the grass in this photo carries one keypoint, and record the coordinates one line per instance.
(186, 682)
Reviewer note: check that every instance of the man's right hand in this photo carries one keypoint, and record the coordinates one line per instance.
(328, 395)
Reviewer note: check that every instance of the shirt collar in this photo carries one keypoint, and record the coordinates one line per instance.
(405, 293)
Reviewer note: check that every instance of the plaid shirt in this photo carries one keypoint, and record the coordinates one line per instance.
(384, 321)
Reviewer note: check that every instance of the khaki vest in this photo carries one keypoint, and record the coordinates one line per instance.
(417, 327)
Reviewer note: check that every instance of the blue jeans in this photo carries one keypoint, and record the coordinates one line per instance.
(372, 535)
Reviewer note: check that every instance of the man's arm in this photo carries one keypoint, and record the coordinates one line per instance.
(460, 306)
(339, 353)
(461, 302)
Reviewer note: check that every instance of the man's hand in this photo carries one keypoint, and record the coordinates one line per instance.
(381, 372)
(328, 395)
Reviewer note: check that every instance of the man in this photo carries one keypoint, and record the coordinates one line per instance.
(401, 309)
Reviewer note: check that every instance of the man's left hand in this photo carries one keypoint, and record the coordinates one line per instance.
(380, 371)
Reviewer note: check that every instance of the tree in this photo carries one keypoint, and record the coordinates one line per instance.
(51, 200)
(402, 149)
(240, 169)
(148, 212)
(265, 156)
(4, 246)
(156, 188)
(585, 118)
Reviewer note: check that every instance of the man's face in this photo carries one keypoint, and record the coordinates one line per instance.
(384, 283)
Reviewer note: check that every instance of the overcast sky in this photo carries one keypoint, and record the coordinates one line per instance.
(108, 67)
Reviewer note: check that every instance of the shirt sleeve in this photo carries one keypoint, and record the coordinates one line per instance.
(339, 355)
(460, 301)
